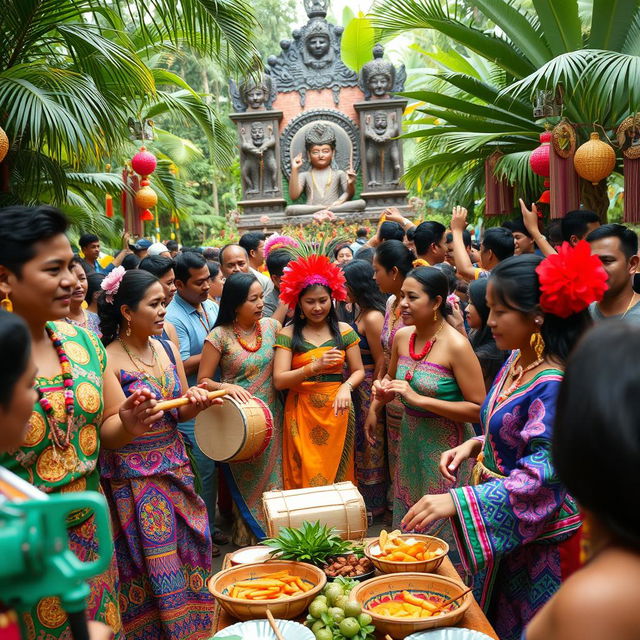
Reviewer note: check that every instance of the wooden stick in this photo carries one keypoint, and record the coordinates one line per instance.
(388, 637)
(446, 603)
(274, 625)
(165, 405)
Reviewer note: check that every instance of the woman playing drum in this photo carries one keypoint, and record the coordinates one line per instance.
(241, 343)
(162, 538)
(319, 426)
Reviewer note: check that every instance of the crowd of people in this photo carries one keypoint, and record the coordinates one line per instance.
(459, 386)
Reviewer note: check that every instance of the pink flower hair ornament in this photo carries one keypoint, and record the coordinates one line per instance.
(111, 283)
(277, 241)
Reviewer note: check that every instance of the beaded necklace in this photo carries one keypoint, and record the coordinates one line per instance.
(326, 186)
(133, 357)
(516, 372)
(59, 436)
(408, 376)
(245, 345)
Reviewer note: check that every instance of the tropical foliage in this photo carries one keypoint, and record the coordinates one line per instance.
(478, 98)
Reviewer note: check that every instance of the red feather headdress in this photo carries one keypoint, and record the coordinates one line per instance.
(309, 270)
(571, 280)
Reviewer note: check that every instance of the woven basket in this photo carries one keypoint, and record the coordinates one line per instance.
(339, 505)
(285, 609)
(4, 144)
(388, 586)
(419, 566)
(594, 160)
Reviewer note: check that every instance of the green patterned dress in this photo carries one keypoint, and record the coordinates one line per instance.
(249, 480)
(73, 468)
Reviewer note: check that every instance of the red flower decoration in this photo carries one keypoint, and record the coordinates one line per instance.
(571, 280)
(315, 269)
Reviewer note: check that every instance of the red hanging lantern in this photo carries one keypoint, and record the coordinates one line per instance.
(539, 163)
(144, 162)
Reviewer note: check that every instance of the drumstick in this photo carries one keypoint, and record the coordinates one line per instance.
(165, 405)
(274, 625)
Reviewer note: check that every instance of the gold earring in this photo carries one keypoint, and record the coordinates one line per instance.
(301, 316)
(537, 344)
(128, 331)
(6, 303)
(435, 314)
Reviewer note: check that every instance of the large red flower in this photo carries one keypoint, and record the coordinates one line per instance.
(571, 280)
(314, 269)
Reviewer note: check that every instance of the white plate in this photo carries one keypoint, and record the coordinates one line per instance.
(448, 633)
(261, 630)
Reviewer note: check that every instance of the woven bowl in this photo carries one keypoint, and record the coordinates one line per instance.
(419, 566)
(388, 587)
(285, 609)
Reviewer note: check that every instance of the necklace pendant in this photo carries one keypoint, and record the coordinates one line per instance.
(408, 376)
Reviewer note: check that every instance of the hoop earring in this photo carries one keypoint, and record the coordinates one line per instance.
(537, 344)
(128, 331)
(6, 303)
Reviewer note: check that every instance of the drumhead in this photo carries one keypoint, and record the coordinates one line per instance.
(221, 430)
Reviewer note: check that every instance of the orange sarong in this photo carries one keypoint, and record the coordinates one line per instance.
(318, 446)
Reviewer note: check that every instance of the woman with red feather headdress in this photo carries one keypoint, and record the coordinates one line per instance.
(319, 425)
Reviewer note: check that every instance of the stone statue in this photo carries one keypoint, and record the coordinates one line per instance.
(380, 128)
(258, 159)
(324, 186)
(253, 94)
(379, 78)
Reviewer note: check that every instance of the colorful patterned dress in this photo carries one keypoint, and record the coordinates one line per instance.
(515, 529)
(162, 539)
(371, 471)
(317, 445)
(249, 480)
(91, 322)
(71, 469)
(394, 409)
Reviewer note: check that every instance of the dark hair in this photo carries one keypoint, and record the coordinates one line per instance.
(478, 298)
(251, 241)
(297, 341)
(339, 247)
(450, 273)
(516, 226)
(227, 246)
(172, 245)
(516, 286)
(390, 231)
(393, 253)
(361, 232)
(158, 265)
(87, 238)
(575, 223)
(426, 234)
(133, 288)
(277, 260)
(411, 233)
(211, 253)
(130, 262)
(94, 280)
(214, 268)
(77, 260)
(15, 347)
(186, 261)
(466, 237)
(628, 238)
(500, 241)
(21, 227)
(434, 283)
(234, 294)
(596, 427)
(554, 232)
(359, 277)
(365, 254)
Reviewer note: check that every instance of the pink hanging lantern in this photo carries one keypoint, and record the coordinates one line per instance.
(539, 162)
(144, 162)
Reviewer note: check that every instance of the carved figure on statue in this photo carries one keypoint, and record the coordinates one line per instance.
(259, 164)
(379, 78)
(253, 94)
(325, 187)
(380, 129)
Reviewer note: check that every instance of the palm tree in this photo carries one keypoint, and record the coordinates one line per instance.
(587, 47)
(73, 71)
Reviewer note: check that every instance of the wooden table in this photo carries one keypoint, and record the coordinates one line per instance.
(474, 618)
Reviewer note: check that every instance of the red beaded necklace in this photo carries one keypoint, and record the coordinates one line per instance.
(425, 351)
(59, 437)
(245, 345)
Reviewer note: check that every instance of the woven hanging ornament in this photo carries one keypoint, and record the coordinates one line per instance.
(594, 160)
(4, 144)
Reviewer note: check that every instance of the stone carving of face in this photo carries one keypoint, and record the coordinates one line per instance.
(380, 85)
(318, 45)
(380, 121)
(257, 134)
(255, 97)
(320, 156)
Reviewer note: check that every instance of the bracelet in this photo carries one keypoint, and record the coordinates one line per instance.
(349, 385)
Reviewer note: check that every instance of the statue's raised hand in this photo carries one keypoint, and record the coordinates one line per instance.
(351, 176)
(297, 161)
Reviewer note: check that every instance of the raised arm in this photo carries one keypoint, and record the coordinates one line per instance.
(464, 266)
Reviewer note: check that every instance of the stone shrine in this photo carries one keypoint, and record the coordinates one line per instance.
(309, 126)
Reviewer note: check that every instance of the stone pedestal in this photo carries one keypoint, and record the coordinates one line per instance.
(381, 154)
(259, 142)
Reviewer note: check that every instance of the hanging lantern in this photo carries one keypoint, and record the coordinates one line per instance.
(144, 162)
(146, 198)
(4, 144)
(594, 160)
(108, 200)
(539, 163)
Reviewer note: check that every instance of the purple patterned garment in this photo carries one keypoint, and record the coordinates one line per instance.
(162, 540)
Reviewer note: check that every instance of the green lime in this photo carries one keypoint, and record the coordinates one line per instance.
(317, 625)
(323, 634)
(349, 627)
(364, 619)
(321, 597)
(337, 614)
(317, 608)
(333, 592)
(352, 609)
(341, 602)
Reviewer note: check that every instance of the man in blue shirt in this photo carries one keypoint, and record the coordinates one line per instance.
(193, 316)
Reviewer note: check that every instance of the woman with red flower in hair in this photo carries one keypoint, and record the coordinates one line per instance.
(319, 424)
(516, 525)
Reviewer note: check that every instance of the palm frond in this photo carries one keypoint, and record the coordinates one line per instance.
(609, 23)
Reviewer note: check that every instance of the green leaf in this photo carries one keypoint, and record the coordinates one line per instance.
(610, 23)
(357, 43)
(560, 24)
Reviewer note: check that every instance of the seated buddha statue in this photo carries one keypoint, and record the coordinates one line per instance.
(326, 188)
